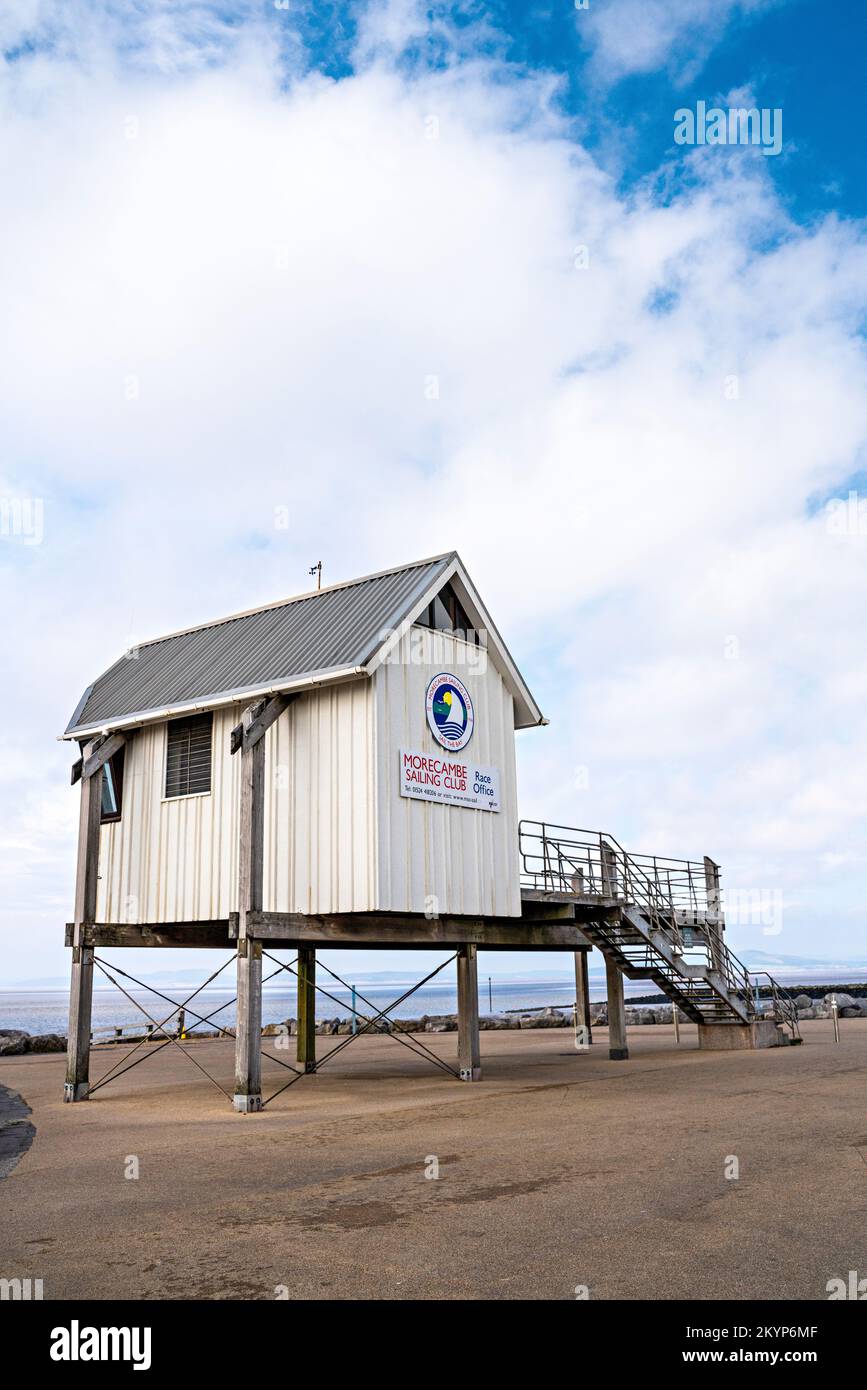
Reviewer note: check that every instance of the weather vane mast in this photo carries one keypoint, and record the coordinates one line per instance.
(317, 570)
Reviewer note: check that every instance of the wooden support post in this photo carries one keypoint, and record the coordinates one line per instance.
(81, 984)
(258, 721)
(307, 1008)
(617, 1049)
(248, 1033)
(469, 1052)
(248, 1030)
(252, 829)
(712, 884)
(583, 1028)
(77, 1085)
(609, 871)
(714, 907)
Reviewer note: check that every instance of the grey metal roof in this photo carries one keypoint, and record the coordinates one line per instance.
(314, 635)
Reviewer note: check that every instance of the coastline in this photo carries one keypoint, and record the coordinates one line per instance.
(813, 1002)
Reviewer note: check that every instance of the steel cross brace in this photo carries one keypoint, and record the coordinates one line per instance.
(400, 1035)
(415, 1046)
(118, 1069)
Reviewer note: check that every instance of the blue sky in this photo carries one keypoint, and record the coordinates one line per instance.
(789, 54)
(792, 55)
(240, 241)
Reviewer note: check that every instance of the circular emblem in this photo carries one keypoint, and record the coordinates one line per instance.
(449, 711)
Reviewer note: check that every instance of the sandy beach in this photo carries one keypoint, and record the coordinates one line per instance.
(556, 1170)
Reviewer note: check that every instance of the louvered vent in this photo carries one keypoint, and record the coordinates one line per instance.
(188, 755)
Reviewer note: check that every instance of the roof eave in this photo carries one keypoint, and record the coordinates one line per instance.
(309, 681)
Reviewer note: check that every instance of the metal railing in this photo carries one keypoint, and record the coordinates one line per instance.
(551, 854)
(591, 863)
(677, 898)
(783, 1007)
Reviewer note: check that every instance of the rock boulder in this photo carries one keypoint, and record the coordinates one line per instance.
(47, 1042)
(13, 1042)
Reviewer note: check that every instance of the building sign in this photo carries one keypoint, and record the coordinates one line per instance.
(449, 712)
(427, 777)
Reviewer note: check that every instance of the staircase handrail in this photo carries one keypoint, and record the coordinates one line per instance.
(653, 902)
(561, 865)
(784, 1007)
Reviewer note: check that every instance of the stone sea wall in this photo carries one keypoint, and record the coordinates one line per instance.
(14, 1042)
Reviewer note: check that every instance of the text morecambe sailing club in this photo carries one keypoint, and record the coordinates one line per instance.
(434, 772)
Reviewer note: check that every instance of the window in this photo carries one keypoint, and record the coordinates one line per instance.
(446, 614)
(112, 788)
(188, 755)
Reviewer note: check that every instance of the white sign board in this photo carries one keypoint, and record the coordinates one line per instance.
(455, 781)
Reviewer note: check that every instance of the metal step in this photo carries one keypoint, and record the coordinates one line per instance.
(639, 957)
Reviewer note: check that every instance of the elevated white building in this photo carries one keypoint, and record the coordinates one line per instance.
(339, 769)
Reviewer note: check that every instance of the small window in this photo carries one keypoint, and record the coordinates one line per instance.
(441, 617)
(188, 755)
(112, 788)
(446, 614)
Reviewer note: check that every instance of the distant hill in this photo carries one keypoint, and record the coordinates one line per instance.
(834, 971)
(766, 960)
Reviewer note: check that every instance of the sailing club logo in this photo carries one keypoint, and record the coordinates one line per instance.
(449, 711)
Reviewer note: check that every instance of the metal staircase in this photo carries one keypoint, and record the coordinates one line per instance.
(658, 919)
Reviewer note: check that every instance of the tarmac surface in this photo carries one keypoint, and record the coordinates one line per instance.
(559, 1170)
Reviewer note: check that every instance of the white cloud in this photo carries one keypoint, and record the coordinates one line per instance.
(638, 36)
(222, 295)
(170, 36)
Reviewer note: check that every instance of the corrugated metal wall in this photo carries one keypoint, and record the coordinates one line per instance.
(177, 860)
(319, 826)
(338, 835)
(464, 859)
(174, 860)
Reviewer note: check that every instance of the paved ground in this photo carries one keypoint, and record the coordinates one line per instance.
(557, 1170)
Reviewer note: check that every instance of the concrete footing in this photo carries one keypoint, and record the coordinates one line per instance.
(247, 1105)
(729, 1037)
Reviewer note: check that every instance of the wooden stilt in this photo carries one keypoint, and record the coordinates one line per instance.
(77, 1084)
(609, 871)
(584, 1031)
(617, 1048)
(248, 1035)
(469, 1052)
(714, 907)
(307, 1008)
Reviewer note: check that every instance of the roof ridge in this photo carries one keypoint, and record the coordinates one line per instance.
(295, 598)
